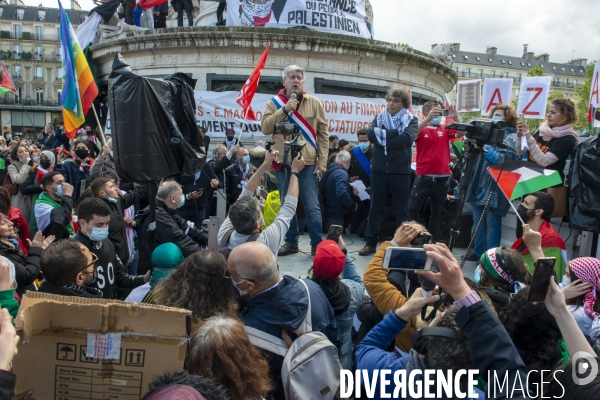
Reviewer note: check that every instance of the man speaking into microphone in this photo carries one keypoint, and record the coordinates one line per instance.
(293, 105)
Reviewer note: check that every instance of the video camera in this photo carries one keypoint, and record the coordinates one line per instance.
(482, 130)
(286, 142)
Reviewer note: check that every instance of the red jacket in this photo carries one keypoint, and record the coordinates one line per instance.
(16, 217)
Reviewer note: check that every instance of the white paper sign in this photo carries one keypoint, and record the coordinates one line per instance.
(468, 95)
(362, 190)
(345, 17)
(533, 96)
(595, 90)
(495, 91)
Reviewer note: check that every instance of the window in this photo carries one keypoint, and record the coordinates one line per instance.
(503, 62)
(519, 76)
(18, 99)
(453, 56)
(510, 62)
(17, 51)
(38, 33)
(529, 65)
(478, 59)
(59, 73)
(38, 52)
(468, 71)
(489, 59)
(58, 54)
(41, 15)
(20, 13)
(456, 69)
(517, 92)
(480, 73)
(17, 71)
(1, 11)
(522, 64)
(58, 94)
(466, 57)
(493, 74)
(39, 95)
(542, 65)
(563, 68)
(554, 67)
(17, 31)
(39, 73)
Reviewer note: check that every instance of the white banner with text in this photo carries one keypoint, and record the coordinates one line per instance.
(533, 96)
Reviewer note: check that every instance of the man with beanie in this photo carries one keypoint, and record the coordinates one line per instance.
(93, 218)
(344, 293)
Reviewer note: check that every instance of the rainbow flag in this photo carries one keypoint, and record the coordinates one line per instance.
(79, 87)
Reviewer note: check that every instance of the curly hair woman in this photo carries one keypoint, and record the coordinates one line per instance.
(221, 350)
(555, 140)
(199, 285)
(501, 273)
(535, 334)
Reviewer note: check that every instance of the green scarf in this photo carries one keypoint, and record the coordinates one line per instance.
(45, 199)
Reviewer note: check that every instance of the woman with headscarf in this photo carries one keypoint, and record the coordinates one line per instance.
(586, 308)
(500, 274)
(165, 258)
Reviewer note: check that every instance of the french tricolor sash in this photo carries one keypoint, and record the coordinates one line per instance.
(295, 118)
(362, 160)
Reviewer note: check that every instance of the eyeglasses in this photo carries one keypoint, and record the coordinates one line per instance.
(93, 264)
(227, 275)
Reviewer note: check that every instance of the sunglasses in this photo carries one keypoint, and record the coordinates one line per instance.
(93, 264)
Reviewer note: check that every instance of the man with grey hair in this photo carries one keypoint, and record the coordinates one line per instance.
(276, 304)
(292, 104)
(170, 227)
(337, 192)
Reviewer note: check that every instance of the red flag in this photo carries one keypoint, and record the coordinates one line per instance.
(146, 4)
(247, 93)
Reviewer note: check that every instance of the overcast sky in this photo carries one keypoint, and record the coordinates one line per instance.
(557, 27)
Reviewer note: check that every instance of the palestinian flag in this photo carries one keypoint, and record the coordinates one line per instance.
(518, 178)
(6, 84)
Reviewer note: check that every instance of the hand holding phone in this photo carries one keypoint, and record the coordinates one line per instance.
(334, 233)
(406, 258)
(544, 268)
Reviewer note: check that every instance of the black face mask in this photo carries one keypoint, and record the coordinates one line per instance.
(82, 153)
(230, 138)
(525, 213)
(45, 164)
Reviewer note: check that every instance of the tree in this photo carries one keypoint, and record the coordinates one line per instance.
(583, 103)
(536, 71)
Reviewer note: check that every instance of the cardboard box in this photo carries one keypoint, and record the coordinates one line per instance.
(54, 359)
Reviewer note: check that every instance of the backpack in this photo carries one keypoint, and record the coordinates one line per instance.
(311, 367)
(222, 247)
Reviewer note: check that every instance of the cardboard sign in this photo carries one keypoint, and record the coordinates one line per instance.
(533, 96)
(345, 17)
(468, 95)
(595, 89)
(130, 347)
(495, 91)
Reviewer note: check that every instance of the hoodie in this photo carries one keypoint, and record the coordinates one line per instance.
(284, 306)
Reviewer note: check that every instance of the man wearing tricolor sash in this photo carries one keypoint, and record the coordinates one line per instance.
(292, 104)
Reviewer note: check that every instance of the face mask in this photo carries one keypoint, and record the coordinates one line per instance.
(82, 153)
(477, 275)
(242, 292)
(112, 200)
(98, 234)
(524, 213)
(1, 148)
(246, 159)
(8, 137)
(181, 201)
(363, 145)
(28, 160)
(566, 281)
(60, 191)
(436, 121)
(45, 164)
(496, 118)
(230, 138)
(36, 159)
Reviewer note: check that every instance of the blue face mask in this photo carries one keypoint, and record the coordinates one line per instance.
(363, 145)
(60, 191)
(112, 200)
(436, 121)
(477, 275)
(28, 160)
(496, 118)
(246, 159)
(8, 137)
(181, 201)
(98, 234)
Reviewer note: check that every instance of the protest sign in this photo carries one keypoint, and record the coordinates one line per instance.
(595, 91)
(468, 95)
(346, 17)
(533, 96)
(495, 91)
(345, 115)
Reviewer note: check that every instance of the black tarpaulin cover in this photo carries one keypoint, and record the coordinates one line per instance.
(153, 125)
(584, 185)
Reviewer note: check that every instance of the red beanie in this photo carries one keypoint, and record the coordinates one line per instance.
(329, 260)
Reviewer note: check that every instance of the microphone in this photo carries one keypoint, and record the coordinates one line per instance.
(292, 97)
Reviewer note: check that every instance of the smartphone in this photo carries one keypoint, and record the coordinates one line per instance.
(422, 239)
(522, 118)
(406, 258)
(444, 112)
(544, 268)
(334, 233)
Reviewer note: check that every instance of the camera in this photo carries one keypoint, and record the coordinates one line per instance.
(482, 130)
(270, 144)
(295, 147)
(421, 239)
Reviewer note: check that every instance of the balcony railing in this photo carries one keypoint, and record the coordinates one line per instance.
(38, 77)
(28, 102)
(28, 36)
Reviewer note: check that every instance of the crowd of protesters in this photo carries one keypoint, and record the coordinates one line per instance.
(70, 226)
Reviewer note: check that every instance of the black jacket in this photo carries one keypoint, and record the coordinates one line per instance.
(27, 268)
(8, 381)
(47, 142)
(162, 8)
(116, 226)
(189, 184)
(30, 186)
(111, 273)
(170, 227)
(77, 291)
(59, 219)
(233, 177)
(337, 192)
(399, 149)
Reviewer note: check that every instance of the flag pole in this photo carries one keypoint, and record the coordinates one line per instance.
(102, 138)
(28, 117)
(516, 212)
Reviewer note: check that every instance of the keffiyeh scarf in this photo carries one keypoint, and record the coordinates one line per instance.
(385, 120)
